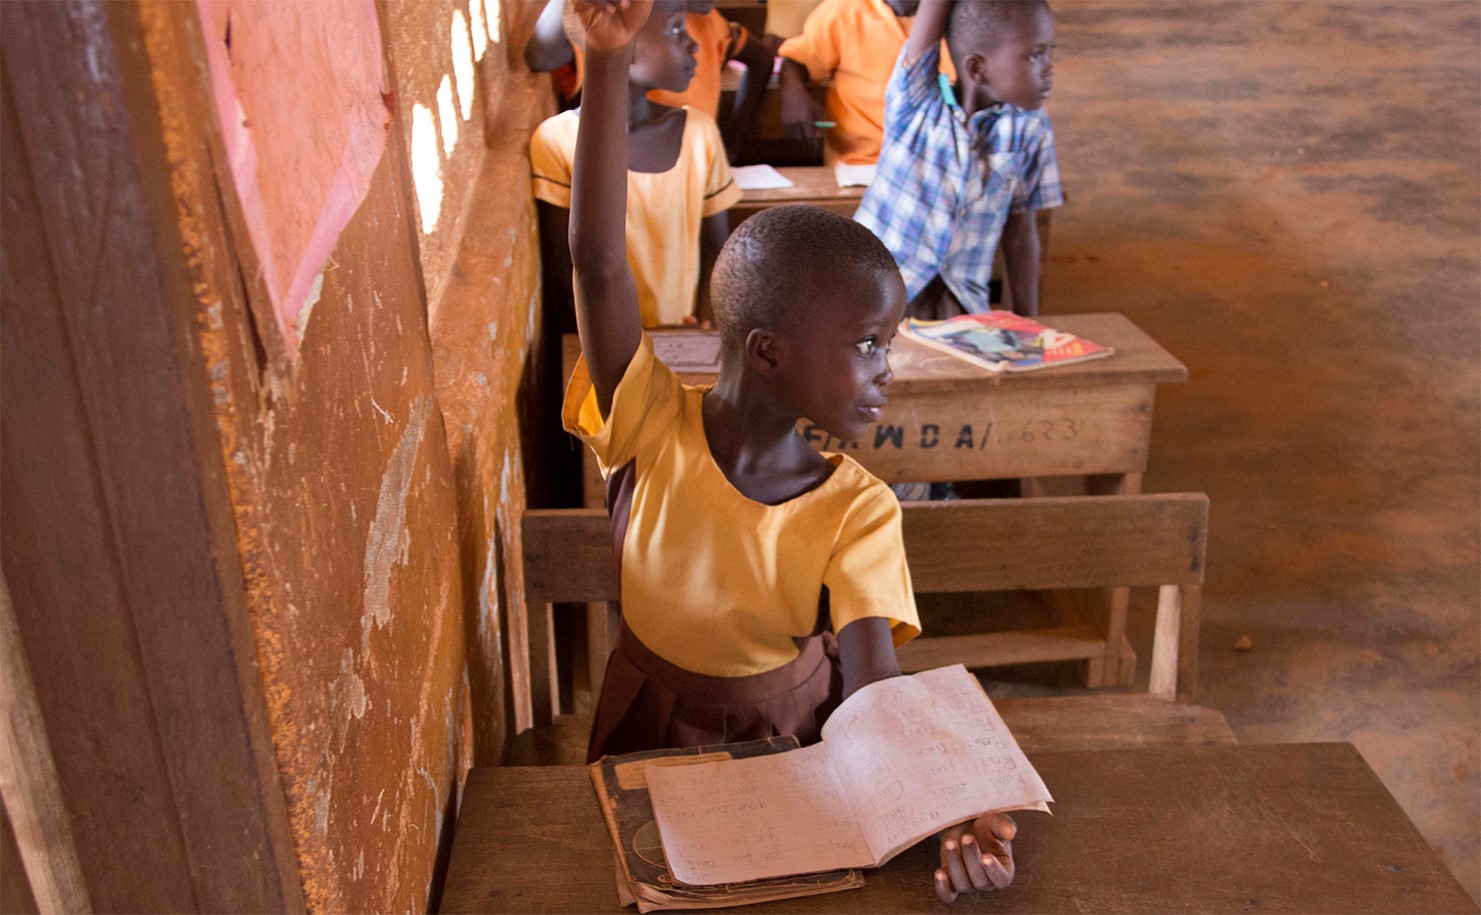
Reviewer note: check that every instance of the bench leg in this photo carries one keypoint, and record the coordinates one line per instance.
(544, 688)
(1175, 643)
(601, 633)
(1117, 599)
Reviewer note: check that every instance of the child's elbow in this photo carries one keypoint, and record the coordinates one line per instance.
(597, 266)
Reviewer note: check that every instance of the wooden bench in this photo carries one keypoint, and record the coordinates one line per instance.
(1245, 828)
(961, 546)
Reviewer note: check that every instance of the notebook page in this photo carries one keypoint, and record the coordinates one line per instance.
(917, 754)
(748, 819)
(758, 178)
(854, 175)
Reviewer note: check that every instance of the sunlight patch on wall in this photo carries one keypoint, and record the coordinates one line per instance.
(448, 115)
(480, 33)
(492, 17)
(426, 167)
(462, 53)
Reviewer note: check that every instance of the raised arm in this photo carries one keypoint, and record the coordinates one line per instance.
(926, 31)
(757, 57)
(606, 296)
(548, 47)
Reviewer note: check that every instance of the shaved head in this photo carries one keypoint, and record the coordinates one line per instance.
(787, 262)
(978, 25)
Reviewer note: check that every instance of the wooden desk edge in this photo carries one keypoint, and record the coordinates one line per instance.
(483, 786)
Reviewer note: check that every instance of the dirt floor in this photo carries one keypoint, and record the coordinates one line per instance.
(1286, 196)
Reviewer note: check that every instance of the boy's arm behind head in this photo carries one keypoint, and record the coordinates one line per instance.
(606, 295)
(926, 31)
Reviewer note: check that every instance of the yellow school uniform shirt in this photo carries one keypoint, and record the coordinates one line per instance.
(712, 581)
(664, 209)
(855, 42)
(718, 41)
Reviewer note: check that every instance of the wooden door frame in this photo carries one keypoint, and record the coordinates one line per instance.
(117, 540)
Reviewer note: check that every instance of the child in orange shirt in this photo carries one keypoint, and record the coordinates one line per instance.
(741, 550)
(854, 44)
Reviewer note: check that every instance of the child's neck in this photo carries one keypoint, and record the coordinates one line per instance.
(640, 110)
(756, 444)
(974, 97)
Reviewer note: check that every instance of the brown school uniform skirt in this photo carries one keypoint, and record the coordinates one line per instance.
(648, 703)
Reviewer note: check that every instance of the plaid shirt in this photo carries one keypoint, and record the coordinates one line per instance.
(946, 182)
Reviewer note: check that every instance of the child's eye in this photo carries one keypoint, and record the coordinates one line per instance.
(866, 346)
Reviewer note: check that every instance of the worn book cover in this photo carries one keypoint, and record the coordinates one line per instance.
(622, 792)
(1001, 341)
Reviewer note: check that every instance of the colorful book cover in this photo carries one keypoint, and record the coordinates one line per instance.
(1001, 341)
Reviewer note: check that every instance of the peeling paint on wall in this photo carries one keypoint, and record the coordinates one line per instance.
(389, 539)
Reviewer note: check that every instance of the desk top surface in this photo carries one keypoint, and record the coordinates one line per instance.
(920, 369)
(1278, 828)
(809, 183)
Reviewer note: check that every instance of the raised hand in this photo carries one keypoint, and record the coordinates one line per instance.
(611, 24)
(976, 855)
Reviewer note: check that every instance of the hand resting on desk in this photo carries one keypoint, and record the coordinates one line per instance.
(976, 855)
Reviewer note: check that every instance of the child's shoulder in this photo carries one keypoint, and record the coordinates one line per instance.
(558, 130)
(864, 494)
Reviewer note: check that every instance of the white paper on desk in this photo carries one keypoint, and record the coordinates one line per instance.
(758, 178)
(900, 760)
(687, 350)
(854, 175)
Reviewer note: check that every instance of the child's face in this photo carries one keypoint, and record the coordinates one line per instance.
(1020, 70)
(663, 53)
(838, 363)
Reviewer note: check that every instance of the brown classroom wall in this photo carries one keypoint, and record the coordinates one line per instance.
(482, 268)
(369, 488)
(366, 609)
(342, 493)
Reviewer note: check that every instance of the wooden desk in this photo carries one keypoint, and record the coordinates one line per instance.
(1281, 828)
(949, 420)
(814, 184)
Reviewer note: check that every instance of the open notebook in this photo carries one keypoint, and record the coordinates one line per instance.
(900, 760)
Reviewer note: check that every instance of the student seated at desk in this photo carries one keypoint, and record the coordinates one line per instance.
(965, 167)
(678, 183)
(854, 44)
(761, 581)
(718, 41)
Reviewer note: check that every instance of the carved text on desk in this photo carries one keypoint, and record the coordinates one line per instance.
(971, 436)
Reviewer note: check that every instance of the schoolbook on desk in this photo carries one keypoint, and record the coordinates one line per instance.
(899, 761)
(1001, 341)
(643, 874)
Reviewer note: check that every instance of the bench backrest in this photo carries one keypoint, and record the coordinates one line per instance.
(1013, 544)
(957, 546)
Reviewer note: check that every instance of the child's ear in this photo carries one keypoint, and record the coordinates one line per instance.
(762, 354)
(974, 69)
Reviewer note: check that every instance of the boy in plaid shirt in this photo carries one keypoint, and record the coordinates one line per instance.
(964, 167)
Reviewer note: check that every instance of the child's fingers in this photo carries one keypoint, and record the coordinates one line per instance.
(999, 873)
(975, 864)
(1004, 827)
(955, 869)
(944, 892)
